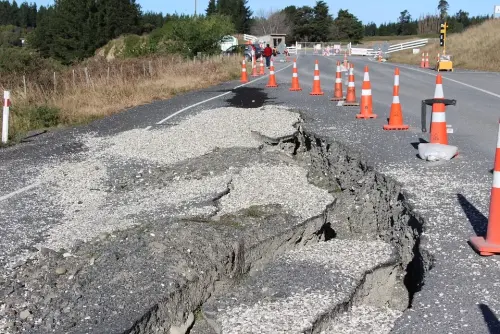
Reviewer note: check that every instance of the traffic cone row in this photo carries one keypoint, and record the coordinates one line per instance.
(350, 99)
(338, 95)
(295, 78)
(316, 90)
(366, 98)
(396, 114)
(395, 121)
(439, 134)
(272, 77)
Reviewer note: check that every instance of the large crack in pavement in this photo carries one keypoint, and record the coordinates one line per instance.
(153, 225)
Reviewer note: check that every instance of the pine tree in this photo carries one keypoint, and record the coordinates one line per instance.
(443, 8)
(241, 16)
(211, 9)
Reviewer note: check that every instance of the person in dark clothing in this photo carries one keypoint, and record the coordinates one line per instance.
(268, 52)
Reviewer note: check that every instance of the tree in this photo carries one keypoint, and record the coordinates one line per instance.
(303, 24)
(371, 29)
(188, 36)
(322, 22)
(271, 22)
(241, 15)
(405, 25)
(72, 30)
(443, 8)
(348, 27)
(211, 8)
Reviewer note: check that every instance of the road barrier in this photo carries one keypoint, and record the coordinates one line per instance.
(5, 116)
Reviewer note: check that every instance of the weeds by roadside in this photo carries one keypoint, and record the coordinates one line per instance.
(474, 49)
(99, 88)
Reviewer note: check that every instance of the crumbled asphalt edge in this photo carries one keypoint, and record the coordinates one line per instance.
(345, 173)
(369, 206)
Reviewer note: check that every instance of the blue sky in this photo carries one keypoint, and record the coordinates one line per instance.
(378, 11)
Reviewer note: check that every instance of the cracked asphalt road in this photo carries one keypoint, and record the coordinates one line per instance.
(461, 292)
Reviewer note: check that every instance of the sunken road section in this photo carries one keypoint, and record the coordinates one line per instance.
(158, 227)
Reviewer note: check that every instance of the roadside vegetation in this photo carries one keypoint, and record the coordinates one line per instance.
(75, 61)
(475, 49)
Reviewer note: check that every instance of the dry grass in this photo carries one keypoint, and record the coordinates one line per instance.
(475, 49)
(100, 88)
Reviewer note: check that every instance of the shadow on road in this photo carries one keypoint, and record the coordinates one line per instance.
(477, 220)
(490, 318)
(248, 97)
(420, 141)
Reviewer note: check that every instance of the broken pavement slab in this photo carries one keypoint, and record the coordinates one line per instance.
(301, 289)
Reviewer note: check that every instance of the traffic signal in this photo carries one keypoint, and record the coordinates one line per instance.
(442, 34)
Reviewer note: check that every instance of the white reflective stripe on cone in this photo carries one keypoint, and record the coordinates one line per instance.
(243, 70)
(351, 84)
(338, 80)
(496, 179)
(294, 75)
(438, 117)
(396, 80)
(395, 99)
(316, 77)
(438, 93)
(366, 92)
(271, 72)
(316, 67)
(366, 77)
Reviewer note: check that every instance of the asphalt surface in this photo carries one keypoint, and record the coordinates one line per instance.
(461, 291)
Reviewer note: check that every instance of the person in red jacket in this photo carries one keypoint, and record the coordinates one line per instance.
(268, 52)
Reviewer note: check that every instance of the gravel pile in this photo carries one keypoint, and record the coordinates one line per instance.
(285, 185)
(84, 190)
(199, 135)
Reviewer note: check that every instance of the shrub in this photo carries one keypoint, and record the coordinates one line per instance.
(190, 35)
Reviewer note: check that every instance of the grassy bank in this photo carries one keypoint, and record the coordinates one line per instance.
(99, 88)
(475, 49)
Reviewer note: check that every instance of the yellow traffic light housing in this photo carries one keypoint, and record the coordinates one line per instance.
(444, 62)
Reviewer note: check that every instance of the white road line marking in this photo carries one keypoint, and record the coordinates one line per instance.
(149, 127)
(18, 191)
(216, 97)
(446, 78)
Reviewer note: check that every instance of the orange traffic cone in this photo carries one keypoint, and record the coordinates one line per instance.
(244, 74)
(396, 114)
(262, 72)
(491, 244)
(295, 78)
(272, 77)
(366, 98)
(427, 61)
(439, 135)
(422, 63)
(350, 99)
(316, 90)
(338, 95)
(254, 68)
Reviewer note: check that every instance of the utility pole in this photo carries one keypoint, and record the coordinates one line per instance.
(195, 5)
